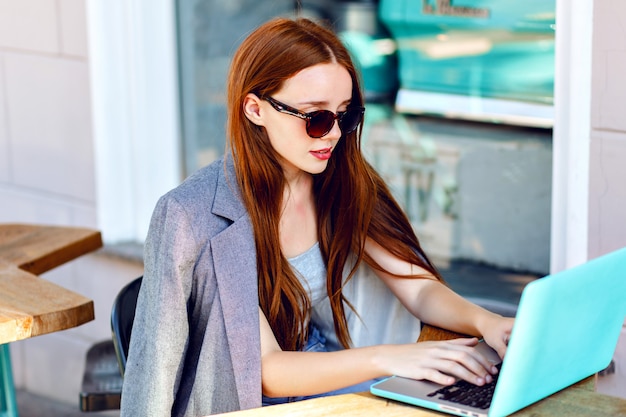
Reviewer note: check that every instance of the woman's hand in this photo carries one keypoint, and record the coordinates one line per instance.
(442, 362)
(496, 330)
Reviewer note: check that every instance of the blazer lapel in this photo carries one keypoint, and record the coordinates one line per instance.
(235, 268)
(234, 257)
(228, 202)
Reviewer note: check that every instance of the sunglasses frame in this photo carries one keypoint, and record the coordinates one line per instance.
(284, 108)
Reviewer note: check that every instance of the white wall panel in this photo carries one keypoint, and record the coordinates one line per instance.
(72, 14)
(50, 125)
(30, 25)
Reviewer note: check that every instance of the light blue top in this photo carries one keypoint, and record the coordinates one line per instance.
(311, 271)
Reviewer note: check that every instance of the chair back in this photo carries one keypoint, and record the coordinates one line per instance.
(122, 317)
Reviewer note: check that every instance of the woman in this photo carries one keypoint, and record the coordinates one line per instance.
(238, 256)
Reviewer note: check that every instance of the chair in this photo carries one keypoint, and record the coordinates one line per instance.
(106, 361)
(102, 382)
(122, 317)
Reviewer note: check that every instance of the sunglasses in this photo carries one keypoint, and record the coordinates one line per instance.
(320, 122)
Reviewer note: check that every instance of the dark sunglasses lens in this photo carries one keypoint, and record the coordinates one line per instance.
(320, 123)
(350, 120)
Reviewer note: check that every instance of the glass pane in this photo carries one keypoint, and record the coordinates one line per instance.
(461, 183)
(479, 59)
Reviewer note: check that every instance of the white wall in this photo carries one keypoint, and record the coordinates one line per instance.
(589, 195)
(607, 188)
(47, 173)
(46, 151)
(607, 152)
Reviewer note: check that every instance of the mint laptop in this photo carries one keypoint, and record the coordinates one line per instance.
(566, 329)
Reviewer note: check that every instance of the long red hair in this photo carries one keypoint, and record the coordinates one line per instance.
(352, 200)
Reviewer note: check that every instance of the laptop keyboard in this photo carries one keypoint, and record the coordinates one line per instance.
(466, 393)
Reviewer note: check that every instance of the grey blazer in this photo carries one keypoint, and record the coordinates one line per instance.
(195, 346)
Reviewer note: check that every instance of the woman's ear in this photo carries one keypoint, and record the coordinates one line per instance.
(252, 109)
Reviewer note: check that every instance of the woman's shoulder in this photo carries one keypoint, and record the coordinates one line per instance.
(213, 187)
(204, 204)
(204, 178)
(206, 181)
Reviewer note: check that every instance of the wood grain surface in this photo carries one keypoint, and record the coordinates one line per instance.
(32, 306)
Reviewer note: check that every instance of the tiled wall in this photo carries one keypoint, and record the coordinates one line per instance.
(607, 196)
(45, 120)
(607, 210)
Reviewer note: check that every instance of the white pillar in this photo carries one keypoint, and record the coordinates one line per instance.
(572, 131)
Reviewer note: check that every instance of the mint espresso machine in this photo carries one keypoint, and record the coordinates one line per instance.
(487, 60)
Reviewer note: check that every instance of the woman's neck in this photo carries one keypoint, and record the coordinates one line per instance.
(298, 221)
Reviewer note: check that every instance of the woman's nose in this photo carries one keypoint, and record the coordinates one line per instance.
(335, 132)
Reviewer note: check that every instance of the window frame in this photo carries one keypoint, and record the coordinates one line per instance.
(135, 109)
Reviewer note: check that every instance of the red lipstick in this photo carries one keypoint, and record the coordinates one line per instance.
(322, 154)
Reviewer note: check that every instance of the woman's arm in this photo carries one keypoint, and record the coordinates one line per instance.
(307, 373)
(160, 331)
(436, 304)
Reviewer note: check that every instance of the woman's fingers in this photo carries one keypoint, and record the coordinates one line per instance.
(464, 367)
(484, 361)
(445, 362)
(497, 333)
(465, 362)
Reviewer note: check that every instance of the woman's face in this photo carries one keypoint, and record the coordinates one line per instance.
(320, 87)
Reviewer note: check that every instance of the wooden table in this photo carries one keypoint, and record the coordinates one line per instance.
(572, 402)
(31, 306)
(576, 401)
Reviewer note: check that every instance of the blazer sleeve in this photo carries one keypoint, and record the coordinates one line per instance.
(161, 328)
